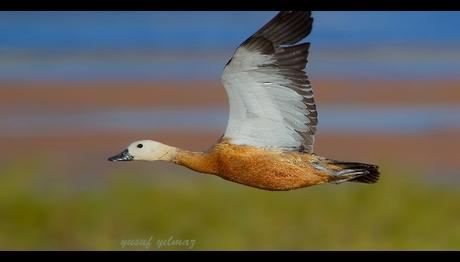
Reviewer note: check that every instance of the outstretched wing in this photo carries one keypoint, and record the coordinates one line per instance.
(271, 99)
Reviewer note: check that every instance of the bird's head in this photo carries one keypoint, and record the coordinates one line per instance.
(146, 150)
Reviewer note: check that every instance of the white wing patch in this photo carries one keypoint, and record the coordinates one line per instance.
(271, 99)
(264, 111)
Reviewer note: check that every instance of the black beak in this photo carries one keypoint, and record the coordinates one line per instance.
(123, 156)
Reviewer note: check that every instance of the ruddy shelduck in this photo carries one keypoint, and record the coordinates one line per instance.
(268, 143)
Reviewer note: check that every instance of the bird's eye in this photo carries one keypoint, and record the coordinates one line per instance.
(139, 145)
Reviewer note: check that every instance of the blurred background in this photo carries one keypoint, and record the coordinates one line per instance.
(77, 87)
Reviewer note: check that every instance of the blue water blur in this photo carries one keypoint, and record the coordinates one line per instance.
(61, 31)
(67, 45)
(332, 119)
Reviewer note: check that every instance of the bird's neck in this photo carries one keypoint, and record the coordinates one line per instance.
(198, 161)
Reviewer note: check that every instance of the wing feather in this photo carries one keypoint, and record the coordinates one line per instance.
(271, 99)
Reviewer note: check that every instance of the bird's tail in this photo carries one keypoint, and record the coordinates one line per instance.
(354, 172)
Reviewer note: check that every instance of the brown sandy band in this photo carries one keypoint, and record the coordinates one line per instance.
(186, 94)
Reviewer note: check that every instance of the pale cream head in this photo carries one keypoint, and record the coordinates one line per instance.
(146, 150)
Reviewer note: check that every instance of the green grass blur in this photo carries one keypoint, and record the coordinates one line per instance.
(45, 210)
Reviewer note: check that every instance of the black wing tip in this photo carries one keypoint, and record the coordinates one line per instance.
(286, 28)
(283, 13)
(293, 26)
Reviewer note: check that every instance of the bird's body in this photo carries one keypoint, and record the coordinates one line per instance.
(268, 143)
(257, 167)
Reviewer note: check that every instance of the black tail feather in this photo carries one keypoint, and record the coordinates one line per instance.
(357, 172)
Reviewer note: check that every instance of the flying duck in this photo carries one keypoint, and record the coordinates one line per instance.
(268, 142)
